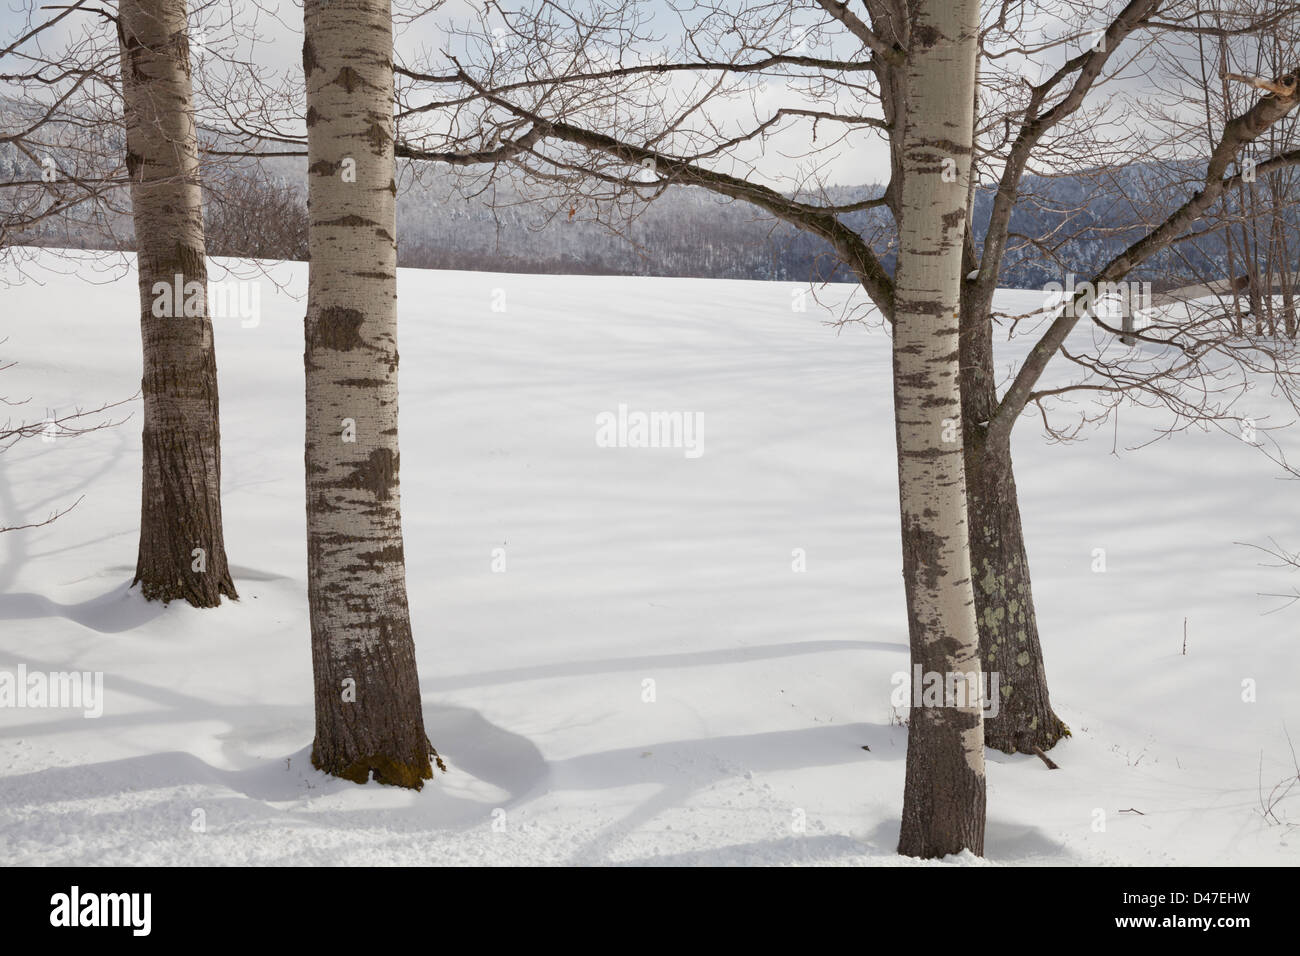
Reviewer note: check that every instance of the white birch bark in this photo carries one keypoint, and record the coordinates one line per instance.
(943, 801)
(369, 718)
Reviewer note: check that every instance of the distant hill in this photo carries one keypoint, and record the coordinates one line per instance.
(688, 231)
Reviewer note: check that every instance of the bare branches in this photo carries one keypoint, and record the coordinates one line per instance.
(893, 55)
(51, 429)
(1190, 22)
(56, 427)
(1284, 559)
(674, 170)
(1237, 133)
(1269, 803)
(591, 111)
(58, 174)
(1087, 68)
(54, 516)
(509, 150)
(594, 110)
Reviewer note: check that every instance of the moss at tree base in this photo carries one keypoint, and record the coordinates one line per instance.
(1024, 741)
(384, 769)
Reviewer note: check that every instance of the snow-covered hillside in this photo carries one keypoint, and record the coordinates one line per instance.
(622, 566)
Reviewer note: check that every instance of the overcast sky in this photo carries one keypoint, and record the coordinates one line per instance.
(278, 24)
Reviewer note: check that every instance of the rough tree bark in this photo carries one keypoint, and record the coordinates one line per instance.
(944, 796)
(369, 717)
(1004, 602)
(182, 548)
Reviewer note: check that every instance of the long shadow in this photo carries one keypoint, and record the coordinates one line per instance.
(483, 751)
(119, 609)
(471, 743)
(821, 746)
(186, 706)
(272, 788)
(490, 754)
(731, 655)
(1004, 842)
(681, 767)
(1009, 842)
(801, 849)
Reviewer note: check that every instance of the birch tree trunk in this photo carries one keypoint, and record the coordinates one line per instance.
(943, 798)
(182, 549)
(369, 718)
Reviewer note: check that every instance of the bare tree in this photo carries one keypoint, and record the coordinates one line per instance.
(943, 798)
(369, 717)
(599, 114)
(1057, 121)
(599, 129)
(606, 97)
(254, 216)
(182, 545)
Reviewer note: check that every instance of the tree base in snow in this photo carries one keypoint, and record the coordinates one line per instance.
(207, 593)
(410, 772)
(1043, 734)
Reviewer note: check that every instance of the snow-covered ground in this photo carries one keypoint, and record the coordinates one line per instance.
(623, 566)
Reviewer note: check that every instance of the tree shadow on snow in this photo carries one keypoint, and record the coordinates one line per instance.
(257, 770)
(720, 656)
(119, 609)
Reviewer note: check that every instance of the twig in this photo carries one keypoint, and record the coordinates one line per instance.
(51, 518)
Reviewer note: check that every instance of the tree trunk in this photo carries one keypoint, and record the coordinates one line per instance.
(1004, 602)
(1288, 289)
(182, 548)
(369, 717)
(1252, 260)
(943, 798)
(1279, 256)
(1236, 283)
